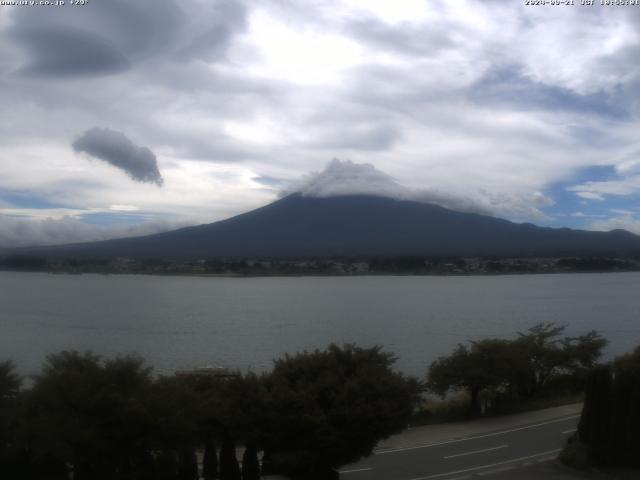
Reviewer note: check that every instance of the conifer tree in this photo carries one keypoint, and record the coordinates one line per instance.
(229, 468)
(250, 464)
(187, 464)
(210, 459)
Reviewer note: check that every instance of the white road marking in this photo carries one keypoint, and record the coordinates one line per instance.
(477, 451)
(545, 459)
(482, 467)
(355, 470)
(496, 470)
(394, 450)
(566, 432)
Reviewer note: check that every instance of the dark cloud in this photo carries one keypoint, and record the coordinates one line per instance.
(68, 52)
(115, 148)
(218, 22)
(104, 38)
(113, 36)
(507, 87)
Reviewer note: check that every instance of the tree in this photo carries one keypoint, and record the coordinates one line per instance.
(549, 356)
(10, 383)
(187, 464)
(175, 432)
(490, 363)
(240, 402)
(329, 408)
(209, 459)
(610, 423)
(594, 425)
(92, 415)
(230, 409)
(241, 407)
(544, 354)
(229, 468)
(584, 351)
(520, 368)
(250, 464)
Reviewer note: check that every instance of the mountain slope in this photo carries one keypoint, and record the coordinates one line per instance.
(298, 226)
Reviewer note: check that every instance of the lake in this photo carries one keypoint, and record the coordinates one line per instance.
(182, 322)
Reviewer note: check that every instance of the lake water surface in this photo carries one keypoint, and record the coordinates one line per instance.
(181, 322)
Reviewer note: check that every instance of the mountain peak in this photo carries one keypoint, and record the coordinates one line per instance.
(341, 178)
(356, 225)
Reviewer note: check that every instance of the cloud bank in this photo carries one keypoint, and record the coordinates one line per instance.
(349, 178)
(107, 38)
(26, 232)
(626, 221)
(115, 148)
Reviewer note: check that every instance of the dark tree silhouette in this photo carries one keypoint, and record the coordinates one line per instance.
(91, 414)
(520, 368)
(329, 408)
(173, 405)
(10, 383)
(187, 464)
(487, 363)
(250, 463)
(210, 459)
(229, 468)
(610, 423)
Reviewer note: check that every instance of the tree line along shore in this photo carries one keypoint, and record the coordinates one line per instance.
(388, 265)
(88, 417)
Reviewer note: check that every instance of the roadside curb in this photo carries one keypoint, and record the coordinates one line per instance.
(417, 437)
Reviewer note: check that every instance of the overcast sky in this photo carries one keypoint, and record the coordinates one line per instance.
(125, 117)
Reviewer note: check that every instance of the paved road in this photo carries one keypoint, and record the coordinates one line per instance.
(468, 457)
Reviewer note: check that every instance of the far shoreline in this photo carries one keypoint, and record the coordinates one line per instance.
(322, 275)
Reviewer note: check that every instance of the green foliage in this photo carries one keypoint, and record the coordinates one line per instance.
(610, 421)
(549, 356)
(541, 347)
(485, 364)
(91, 414)
(241, 403)
(173, 405)
(496, 371)
(328, 408)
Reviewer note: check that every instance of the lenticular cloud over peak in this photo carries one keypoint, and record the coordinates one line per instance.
(340, 178)
(348, 178)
